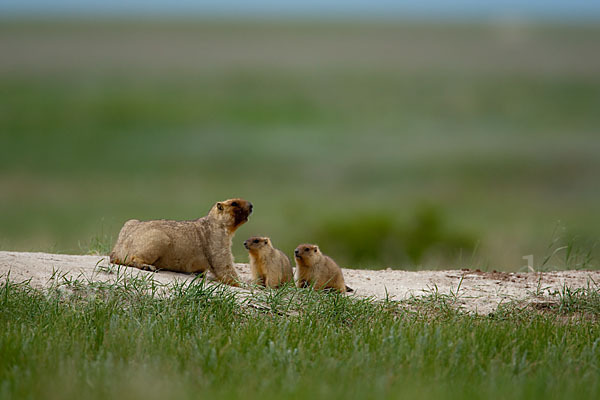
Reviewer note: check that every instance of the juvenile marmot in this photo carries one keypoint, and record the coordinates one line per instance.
(270, 266)
(315, 268)
(184, 246)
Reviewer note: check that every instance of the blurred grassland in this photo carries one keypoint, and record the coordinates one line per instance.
(394, 144)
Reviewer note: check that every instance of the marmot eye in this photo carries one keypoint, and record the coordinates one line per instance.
(306, 249)
(315, 250)
(255, 240)
(234, 204)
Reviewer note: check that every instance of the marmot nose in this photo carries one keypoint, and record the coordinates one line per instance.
(296, 251)
(250, 206)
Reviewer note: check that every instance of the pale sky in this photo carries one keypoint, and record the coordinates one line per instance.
(555, 9)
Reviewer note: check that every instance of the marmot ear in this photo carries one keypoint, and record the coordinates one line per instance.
(220, 206)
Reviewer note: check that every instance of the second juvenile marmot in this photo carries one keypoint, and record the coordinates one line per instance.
(316, 269)
(185, 246)
(270, 266)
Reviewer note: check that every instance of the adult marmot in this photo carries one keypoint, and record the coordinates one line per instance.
(317, 269)
(270, 266)
(184, 246)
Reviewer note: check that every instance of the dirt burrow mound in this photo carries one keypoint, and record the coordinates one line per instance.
(474, 291)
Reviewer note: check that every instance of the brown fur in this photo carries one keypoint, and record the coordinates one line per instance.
(270, 267)
(185, 246)
(318, 270)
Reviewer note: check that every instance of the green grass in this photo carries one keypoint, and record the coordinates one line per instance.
(82, 341)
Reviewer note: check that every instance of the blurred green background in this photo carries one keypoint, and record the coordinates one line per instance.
(390, 144)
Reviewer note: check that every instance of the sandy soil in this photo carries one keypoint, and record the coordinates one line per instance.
(475, 291)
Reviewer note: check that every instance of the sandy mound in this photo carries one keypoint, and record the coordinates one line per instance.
(480, 292)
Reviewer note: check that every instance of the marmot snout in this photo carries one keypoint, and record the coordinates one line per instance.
(238, 209)
(255, 242)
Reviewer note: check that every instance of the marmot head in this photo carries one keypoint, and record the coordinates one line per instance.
(234, 212)
(256, 243)
(306, 253)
